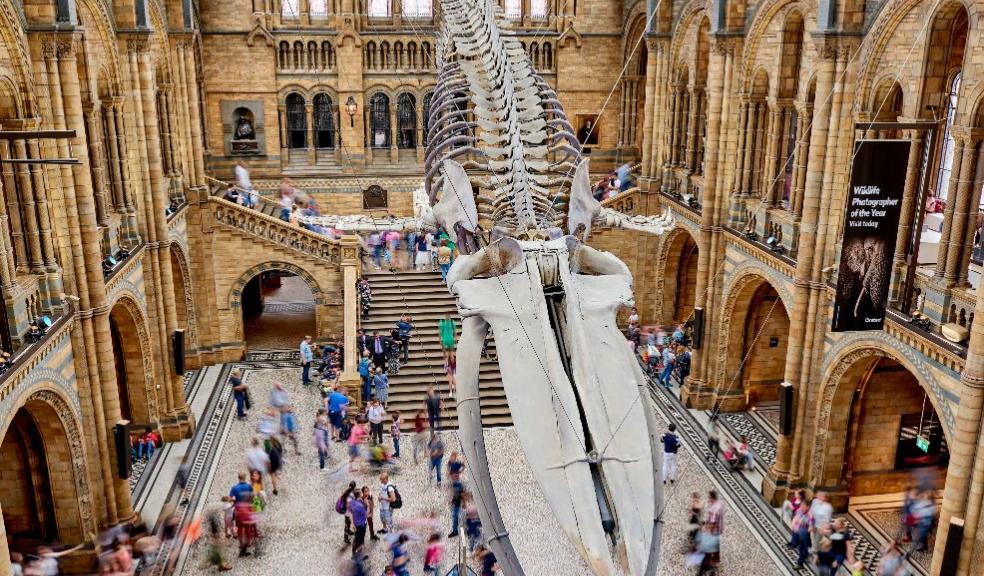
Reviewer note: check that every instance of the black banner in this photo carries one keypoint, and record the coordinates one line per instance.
(871, 228)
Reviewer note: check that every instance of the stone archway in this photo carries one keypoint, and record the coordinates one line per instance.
(134, 363)
(301, 318)
(839, 412)
(44, 497)
(753, 344)
(184, 297)
(677, 275)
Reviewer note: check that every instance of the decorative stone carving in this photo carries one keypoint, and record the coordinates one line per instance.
(274, 230)
(243, 127)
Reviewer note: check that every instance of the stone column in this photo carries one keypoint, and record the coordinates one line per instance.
(9, 176)
(773, 152)
(419, 132)
(42, 208)
(674, 125)
(777, 481)
(197, 146)
(309, 117)
(648, 163)
(350, 274)
(394, 133)
(696, 391)
(965, 445)
(177, 423)
(961, 201)
(971, 227)
(94, 310)
(26, 205)
(956, 171)
(5, 568)
(799, 169)
(693, 108)
(751, 125)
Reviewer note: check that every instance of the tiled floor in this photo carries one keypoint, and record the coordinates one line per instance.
(288, 314)
(304, 533)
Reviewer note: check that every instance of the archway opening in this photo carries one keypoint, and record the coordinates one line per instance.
(885, 438)
(180, 291)
(131, 378)
(756, 358)
(38, 495)
(680, 279)
(278, 310)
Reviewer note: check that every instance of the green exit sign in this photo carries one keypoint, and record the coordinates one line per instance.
(922, 443)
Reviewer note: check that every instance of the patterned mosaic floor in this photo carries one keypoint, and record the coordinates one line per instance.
(307, 534)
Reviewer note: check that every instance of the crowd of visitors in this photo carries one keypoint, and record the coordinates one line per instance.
(666, 353)
(410, 250)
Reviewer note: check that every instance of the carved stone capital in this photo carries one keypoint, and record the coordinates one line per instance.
(728, 45)
(65, 47)
(138, 44)
(49, 48)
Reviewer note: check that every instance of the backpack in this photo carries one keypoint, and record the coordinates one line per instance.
(397, 503)
(341, 506)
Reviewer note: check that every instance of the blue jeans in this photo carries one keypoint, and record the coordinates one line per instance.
(366, 388)
(455, 516)
(802, 543)
(436, 465)
(396, 446)
(377, 255)
(322, 456)
(240, 404)
(305, 373)
(664, 378)
(444, 271)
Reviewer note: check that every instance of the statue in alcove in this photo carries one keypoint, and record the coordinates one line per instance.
(244, 128)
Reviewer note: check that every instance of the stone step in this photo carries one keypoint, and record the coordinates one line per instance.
(423, 295)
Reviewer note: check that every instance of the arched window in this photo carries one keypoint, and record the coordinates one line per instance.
(385, 56)
(412, 55)
(406, 119)
(379, 120)
(538, 9)
(416, 8)
(425, 51)
(547, 57)
(319, 8)
(296, 122)
(327, 55)
(427, 111)
(290, 9)
(370, 55)
(514, 9)
(946, 161)
(324, 122)
(379, 8)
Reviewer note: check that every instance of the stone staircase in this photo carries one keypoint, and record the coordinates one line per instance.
(424, 296)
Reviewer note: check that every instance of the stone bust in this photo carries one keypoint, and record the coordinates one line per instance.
(244, 129)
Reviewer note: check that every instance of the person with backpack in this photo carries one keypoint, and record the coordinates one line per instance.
(342, 507)
(389, 499)
(671, 444)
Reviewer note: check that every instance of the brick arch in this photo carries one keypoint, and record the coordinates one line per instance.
(748, 287)
(846, 364)
(60, 430)
(236, 292)
(128, 317)
(667, 273)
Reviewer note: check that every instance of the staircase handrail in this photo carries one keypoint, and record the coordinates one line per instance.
(275, 230)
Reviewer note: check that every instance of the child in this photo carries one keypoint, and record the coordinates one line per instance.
(395, 433)
(433, 555)
(346, 430)
(289, 421)
(228, 511)
(259, 496)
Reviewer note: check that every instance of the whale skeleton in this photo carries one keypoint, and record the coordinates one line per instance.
(501, 151)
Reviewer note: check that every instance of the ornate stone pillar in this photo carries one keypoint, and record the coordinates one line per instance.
(967, 443)
(394, 134)
(698, 388)
(648, 164)
(309, 116)
(751, 126)
(17, 237)
(956, 174)
(350, 274)
(961, 211)
(197, 145)
(970, 230)
(419, 132)
(773, 152)
(777, 481)
(693, 109)
(26, 204)
(803, 125)
(94, 308)
(907, 214)
(177, 422)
